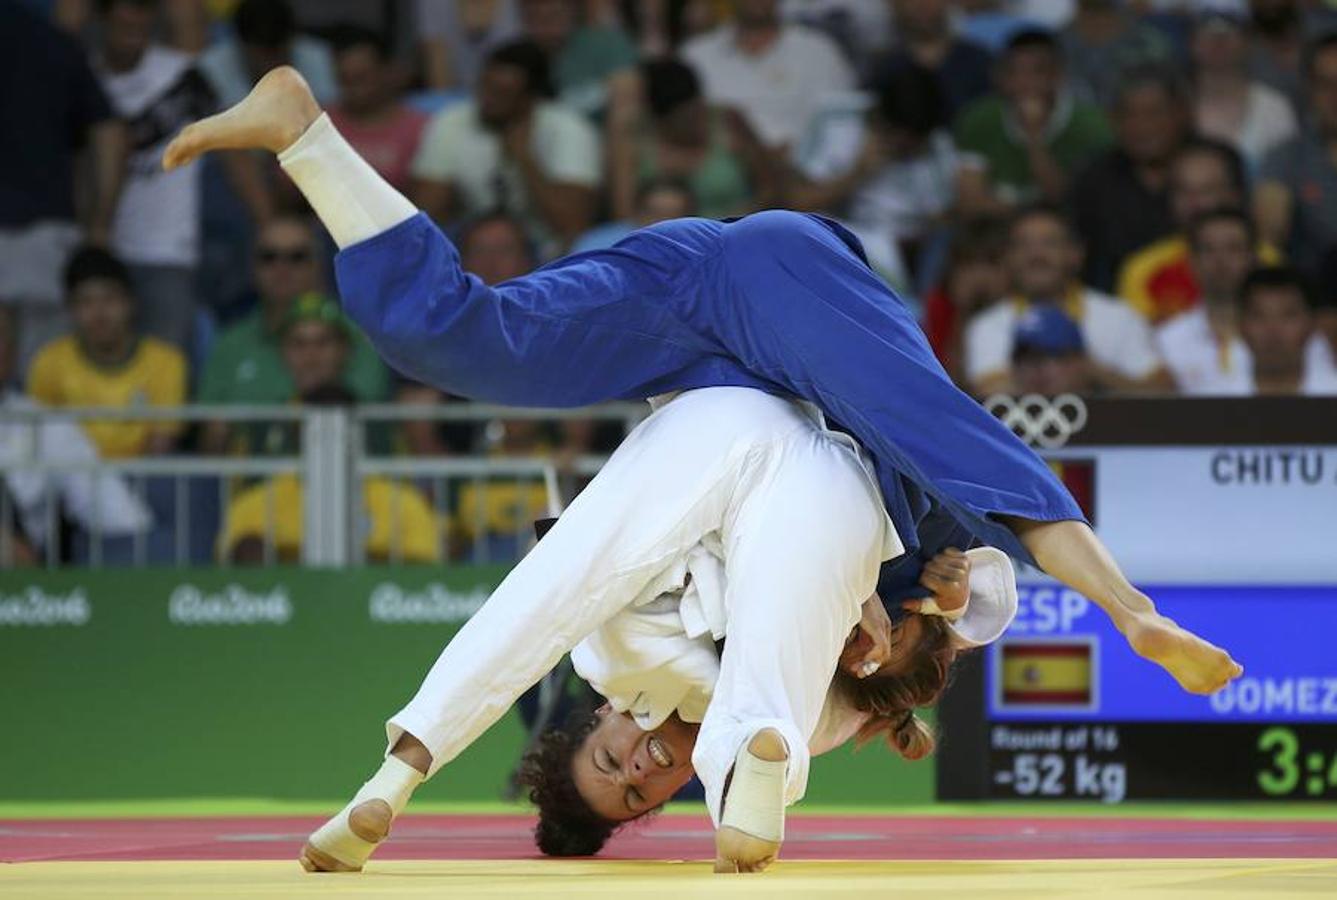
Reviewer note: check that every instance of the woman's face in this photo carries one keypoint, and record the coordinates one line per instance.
(623, 772)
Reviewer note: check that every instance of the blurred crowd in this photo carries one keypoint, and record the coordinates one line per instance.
(1085, 196)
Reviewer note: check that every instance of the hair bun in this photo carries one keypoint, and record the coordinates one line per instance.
(913, 738)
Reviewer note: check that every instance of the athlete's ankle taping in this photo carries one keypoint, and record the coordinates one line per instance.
(755, 802)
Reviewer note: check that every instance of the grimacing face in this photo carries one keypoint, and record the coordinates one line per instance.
(623, 772)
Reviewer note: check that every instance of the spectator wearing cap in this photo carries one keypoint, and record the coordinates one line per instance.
(1158, 279)
(1104, 42)
(891, 172)
(1049, 354)
(265, 37)
(1043, 260)
(383, 129)
(245, 365)
(1296, 197)
(265, 522)
(157, 91)
(54, 116)
(106, 361)
(660, 127)
(582, 54)
(512, 148)
(316, 343)
(1232, 106)
(1276, 322)
(1020, 143)
(776, 75)
(1120, 202)
(926, 40)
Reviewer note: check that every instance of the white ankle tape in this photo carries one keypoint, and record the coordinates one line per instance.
(755, 803)
(351, 199)
(394, 782)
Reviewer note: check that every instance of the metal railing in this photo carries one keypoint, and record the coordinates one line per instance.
(189, 496)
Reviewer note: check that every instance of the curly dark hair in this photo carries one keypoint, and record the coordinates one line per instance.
(567, 825)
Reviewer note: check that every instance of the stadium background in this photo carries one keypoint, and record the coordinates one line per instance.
(1130, 203)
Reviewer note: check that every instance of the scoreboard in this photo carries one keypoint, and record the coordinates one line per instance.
(1226, 515)
(1072, 713)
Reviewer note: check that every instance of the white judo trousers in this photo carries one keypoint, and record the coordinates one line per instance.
(803, 532)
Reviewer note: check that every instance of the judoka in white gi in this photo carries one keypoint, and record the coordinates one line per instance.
(656, 663)
(798, 310)
(783, 528)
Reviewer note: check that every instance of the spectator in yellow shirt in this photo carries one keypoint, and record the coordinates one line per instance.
(400, 525)
(107, 362)
(397, 522)
(494, 518)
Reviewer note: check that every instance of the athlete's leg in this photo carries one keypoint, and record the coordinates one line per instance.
(843, 340)
(1071, 552)
(802, 548)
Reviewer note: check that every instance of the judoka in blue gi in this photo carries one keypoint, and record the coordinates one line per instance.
(778, 301)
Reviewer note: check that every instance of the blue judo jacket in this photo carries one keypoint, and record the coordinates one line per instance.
(778, 300)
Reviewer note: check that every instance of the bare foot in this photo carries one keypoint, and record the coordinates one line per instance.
(369, 821)
(273, 115)
(1198, 666)
(737, 850)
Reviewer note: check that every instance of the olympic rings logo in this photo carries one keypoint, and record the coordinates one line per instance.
(1038, 420)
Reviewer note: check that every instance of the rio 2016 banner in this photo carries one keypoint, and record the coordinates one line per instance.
(271, 683)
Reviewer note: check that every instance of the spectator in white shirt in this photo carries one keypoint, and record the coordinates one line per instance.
(513, 149)
(1203, 347)
(1043, 259)
(157, 91)
(1277, 324)
(776, 75)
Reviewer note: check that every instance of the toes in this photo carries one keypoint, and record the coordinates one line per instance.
(181, 150)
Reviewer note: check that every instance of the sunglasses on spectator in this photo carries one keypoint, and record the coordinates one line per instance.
(269, 255)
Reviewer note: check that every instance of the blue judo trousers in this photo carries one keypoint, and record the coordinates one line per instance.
(780, 301)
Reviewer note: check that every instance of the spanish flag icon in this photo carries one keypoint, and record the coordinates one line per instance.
(1039, 674)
